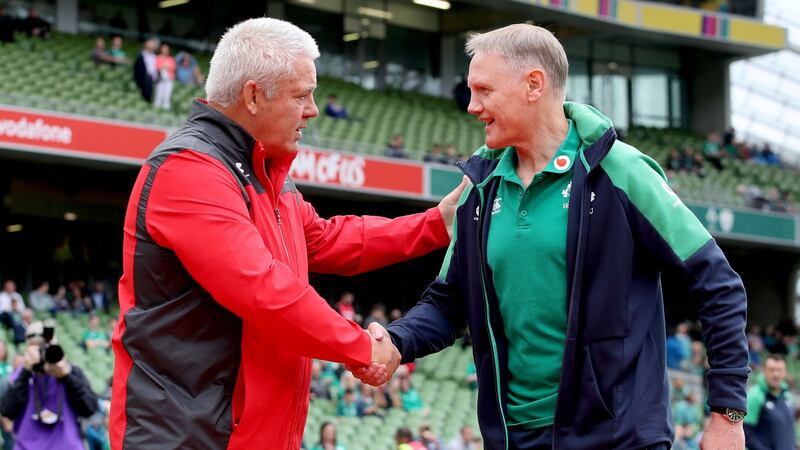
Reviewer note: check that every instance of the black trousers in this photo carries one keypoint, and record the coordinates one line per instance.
(542, 439)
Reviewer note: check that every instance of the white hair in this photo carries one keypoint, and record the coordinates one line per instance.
(263, 50)
(525, 47)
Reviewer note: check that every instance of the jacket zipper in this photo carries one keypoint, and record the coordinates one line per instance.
(283, 239)
(495, 361)
(575, 287)
(576, 282)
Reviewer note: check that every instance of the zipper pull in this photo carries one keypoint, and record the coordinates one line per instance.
(278, 215)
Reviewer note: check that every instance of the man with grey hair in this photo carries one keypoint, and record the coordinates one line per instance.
(219, 324)
(555, 264)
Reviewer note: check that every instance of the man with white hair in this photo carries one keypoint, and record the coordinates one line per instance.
(219, 324)
(555, 267)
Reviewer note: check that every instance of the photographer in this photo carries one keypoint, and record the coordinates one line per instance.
(47, 395)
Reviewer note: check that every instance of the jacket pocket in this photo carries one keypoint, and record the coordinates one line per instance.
(592, 412)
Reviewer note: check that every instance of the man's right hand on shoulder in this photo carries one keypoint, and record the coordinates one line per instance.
(385, 358)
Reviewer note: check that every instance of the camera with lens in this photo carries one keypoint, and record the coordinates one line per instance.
(49, 352)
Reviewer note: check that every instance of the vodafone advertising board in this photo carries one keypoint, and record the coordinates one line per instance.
(22, 129)
(107, 140)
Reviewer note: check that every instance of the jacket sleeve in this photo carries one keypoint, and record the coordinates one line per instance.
(197, 210)
(79, 392)
(348, 245)
(438, 319)
(13, 402)
(679, 244)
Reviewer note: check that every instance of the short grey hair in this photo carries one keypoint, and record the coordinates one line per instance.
(262, 50)
(525, 47)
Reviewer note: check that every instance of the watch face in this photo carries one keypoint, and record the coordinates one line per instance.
(735, 415)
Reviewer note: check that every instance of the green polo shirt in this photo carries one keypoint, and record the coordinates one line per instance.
(527, 249)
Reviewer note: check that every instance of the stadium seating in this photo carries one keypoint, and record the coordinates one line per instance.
(440, 380)
(58, 75)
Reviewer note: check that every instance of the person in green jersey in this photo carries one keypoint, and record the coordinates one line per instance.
(555, 266)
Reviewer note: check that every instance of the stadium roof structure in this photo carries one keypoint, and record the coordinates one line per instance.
(765, 91)
(727, 34)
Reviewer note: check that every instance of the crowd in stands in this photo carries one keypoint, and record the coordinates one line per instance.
(50, 421)
(32, 25)
(719, 147)
(687, 361)
(330, 381)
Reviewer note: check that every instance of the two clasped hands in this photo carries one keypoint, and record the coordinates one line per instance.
(385, 358)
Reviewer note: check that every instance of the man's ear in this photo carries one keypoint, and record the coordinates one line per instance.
(535, 80)
(250, 96)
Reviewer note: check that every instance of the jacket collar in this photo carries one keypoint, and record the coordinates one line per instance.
(226, 134)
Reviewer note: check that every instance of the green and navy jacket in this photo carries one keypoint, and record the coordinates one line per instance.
(769, 424)
(625, 228)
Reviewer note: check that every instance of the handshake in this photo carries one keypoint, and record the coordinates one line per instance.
(385, 358)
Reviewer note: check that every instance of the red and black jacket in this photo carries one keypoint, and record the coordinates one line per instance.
(218, 323)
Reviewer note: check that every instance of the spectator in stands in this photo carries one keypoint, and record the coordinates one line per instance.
(365, 401)
(768, 157)
(395, 314)
(405, 440)
(99, 53)
(377, 314)
(711, 150)
(410, 397)
(698, 165)
(79, 299)
(334, 109)
(8, 25)
(451, 155)
(117, 52)
(566, 364)
(165, 64)
(10, 293)
(347, 406)
(770, 421)
(46, 399)
(101, 299)
(464, 441)
(685, 411)
(5, 366)
(428, 439)
(675, 161)
(327, 438)
(40, 298)
(753, 196)
(346, 306)
(434, 155)
(396, 148)
(698, 362)
(35, 26)
(320, 387)
(755, 345)
(60, 299)
(94, 337)
(145, 69)
(188, 70)
(472, 376)
(11, 308)
(679, 347)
